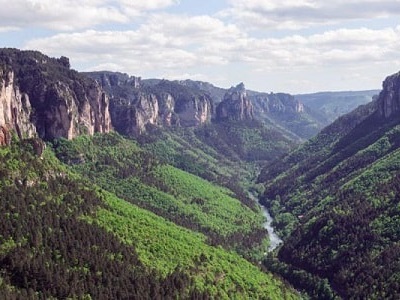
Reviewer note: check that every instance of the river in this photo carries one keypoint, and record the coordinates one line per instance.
(274, 239)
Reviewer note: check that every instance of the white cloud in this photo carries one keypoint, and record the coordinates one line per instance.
(292, 14)
(148, 4)
(68, 15)
(171, 46)
(8, 28)
(172, 42)
(343, 46)
(165, 41)
(184, 30)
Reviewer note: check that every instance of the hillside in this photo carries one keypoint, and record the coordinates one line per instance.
(122, 167)
(43, 97)
(166, 193)
(335, 200)
(91, 214)
(63, 237)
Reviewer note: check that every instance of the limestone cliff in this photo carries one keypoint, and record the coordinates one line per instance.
(42, 97)
(5, 135)
(136, 105)
(276, 103)
(130, 117)
(286, 111)
(195, 112)
(389, 98)
(15, 107)
(235, 105)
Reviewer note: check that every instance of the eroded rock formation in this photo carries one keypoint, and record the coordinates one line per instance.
(5, 135)
(135, 105)
(235, 105)
(389, 98)
(42, 97)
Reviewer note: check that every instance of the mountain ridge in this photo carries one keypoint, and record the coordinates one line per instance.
(280, 110)
(335, 200)
(333, 104)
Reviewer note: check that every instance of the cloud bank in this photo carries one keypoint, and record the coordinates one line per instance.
(249, 40)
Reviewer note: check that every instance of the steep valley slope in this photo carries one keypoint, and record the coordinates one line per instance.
(115, 187)
(162, 215)
(64, 237)
(336, 200)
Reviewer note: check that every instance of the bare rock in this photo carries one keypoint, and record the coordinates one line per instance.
(47, 99)
(235, 105)
(5, 135)
(389, 98)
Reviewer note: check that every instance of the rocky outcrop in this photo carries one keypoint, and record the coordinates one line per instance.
(38, 146)
(46, 99)
(73, 111)
(276, 103)
(167, 113)
(15, 107)
(5, 135)
(136, 105)
(389, 98)
(195, 112)
(115, 82)
(235, 105)
(131, 117)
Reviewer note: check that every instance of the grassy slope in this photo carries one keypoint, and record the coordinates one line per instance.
(121, 167)
(62, 237)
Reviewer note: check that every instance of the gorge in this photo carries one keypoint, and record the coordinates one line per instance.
(141, 187)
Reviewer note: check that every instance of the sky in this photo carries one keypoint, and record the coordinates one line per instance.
(293, 46)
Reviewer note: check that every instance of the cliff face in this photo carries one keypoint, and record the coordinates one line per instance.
(277, 103)
(235, 105)
(389, 98)
(5, 135)
(195, 112)
(41, 96)
(135, 105)
(73, 111)
(15, 108)
(130, 117)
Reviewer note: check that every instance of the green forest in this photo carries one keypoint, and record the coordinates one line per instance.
(338, 206)
(170, 211)
(68, 232)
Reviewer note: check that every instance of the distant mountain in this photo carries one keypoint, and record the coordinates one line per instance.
(287, 112)
(280, 109)
(335, 200)
(335, 104)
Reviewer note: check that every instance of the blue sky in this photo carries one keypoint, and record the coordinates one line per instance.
(294, 46)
